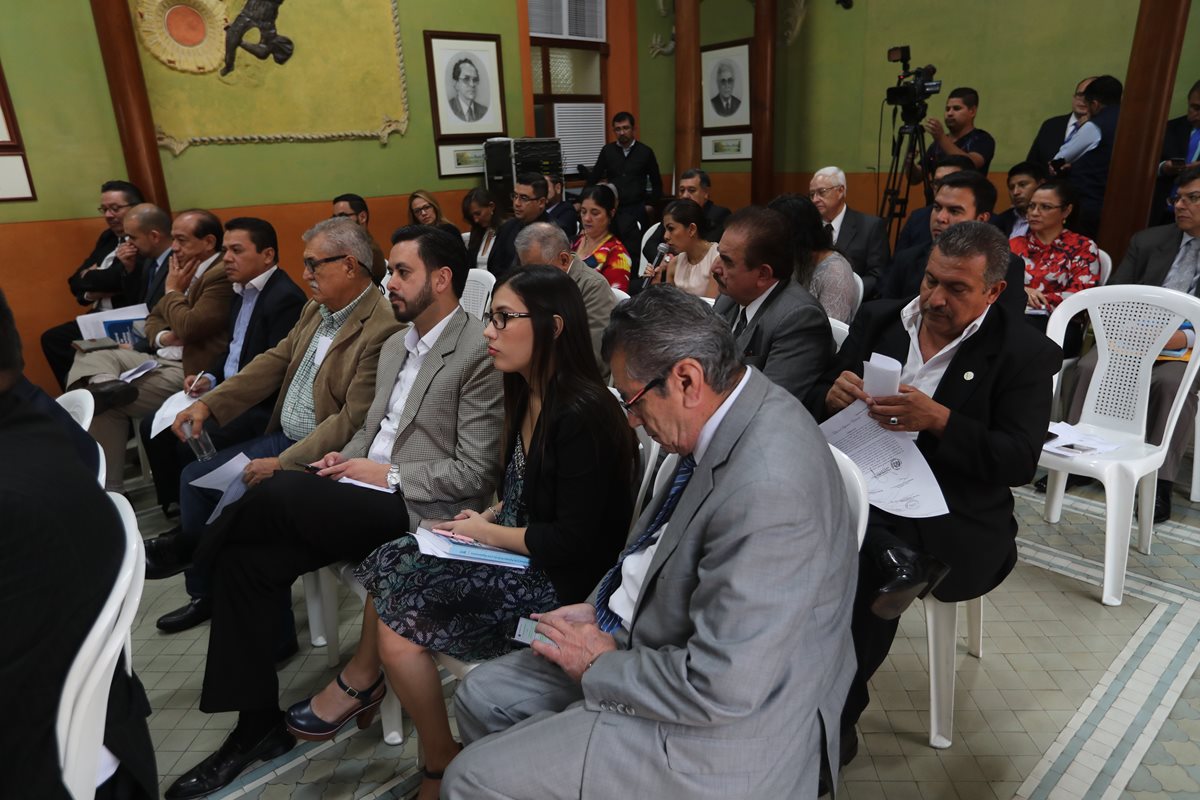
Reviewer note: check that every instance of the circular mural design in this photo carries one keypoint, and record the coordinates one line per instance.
(187, 35)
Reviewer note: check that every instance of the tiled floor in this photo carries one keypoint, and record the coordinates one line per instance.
(1071, 699)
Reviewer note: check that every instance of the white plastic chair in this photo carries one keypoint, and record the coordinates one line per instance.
(477, 292)
(644, 262)
(1132, 323)
(102, 467)
(80, 404)
(856, 492)
(941, 629)
(80, 724)
(858, 281)
(619, 295)
(1105, 267)
(840, 331)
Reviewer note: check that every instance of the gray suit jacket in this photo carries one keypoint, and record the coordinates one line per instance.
(1149, 257)
(599, 300)
(739, 652)
(789, 339)
(448, 445)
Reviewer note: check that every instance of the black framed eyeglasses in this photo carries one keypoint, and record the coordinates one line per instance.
(629, 404)
(115, 208)
(499, 319)
(312, 264)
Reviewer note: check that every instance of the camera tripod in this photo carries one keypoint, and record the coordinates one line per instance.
(908, 148)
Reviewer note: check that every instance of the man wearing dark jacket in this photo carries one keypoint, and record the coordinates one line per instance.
(632, 169)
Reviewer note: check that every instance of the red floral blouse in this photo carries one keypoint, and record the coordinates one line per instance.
(611, 260)
(1069, 264)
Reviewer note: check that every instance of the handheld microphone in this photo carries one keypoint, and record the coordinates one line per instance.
(661, 253)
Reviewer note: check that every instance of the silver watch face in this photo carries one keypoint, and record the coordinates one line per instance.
(393, 477)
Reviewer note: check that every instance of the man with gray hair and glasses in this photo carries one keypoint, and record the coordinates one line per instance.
(975, 396)
(546, 243)
(324, 372)
(861, 238)
(712, 658)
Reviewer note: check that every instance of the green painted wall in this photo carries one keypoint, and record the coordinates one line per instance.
(1023, 56)
(52, 65)
(51, 60)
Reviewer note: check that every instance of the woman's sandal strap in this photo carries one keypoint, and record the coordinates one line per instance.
(355, 693)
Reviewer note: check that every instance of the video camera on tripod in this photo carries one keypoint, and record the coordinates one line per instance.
(913, 87)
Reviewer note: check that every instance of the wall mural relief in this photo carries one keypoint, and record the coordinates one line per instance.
(338, 73)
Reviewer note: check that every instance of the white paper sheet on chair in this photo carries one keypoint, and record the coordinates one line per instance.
(1070, 442)
(226, 478)
(898, 478)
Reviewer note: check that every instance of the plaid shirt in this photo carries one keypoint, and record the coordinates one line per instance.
(297, 418)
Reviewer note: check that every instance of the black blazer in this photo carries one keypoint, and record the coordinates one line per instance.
(998, 390)
(628, 174)
(863, 241)
(1149, 257)
(578, 501)
(134, 284)
(916, 230)
(1005, 221)
(907, 270)
(566, 217)
(1049, 139)
(275, 313)
(1176, 138)
(100, 280)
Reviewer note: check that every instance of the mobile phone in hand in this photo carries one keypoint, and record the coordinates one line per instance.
(526, 633)
(308, 467)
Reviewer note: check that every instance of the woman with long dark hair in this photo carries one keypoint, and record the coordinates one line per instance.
(566, 502)
(819, 267)
(690, 268)
(597, 245)
(480, 212)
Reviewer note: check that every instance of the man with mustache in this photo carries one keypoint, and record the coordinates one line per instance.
(975, 395)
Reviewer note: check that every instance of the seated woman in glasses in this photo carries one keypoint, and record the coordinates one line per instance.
(597, 245)
(565, 502)
(1058, 262)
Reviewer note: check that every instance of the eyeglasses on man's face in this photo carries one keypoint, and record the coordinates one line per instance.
(313, 264)
(1186, 199)
(821, 192)
(629, 404)
(517, 197)
(499, 319)
(113, 209)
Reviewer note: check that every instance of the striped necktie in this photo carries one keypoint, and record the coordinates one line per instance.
(605, 618)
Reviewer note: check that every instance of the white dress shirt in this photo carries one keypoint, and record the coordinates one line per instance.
(836, 222)
(381, 446)
(633, 569)
(927, 375)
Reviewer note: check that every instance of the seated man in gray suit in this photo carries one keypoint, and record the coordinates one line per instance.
(430, 442)
(713, 657)
(780, 328)
(1167, 255)
(546, 243)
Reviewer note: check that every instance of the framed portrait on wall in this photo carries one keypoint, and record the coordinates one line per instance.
(725, 83)
(466, 85)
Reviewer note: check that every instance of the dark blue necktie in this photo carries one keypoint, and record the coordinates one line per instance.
(605, 618)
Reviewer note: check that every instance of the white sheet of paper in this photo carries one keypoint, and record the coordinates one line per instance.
(131, 375)
(92, 325)
(219, 478)
(898, 478)
(236, 488)
(168, 411)
(322, 348)
(881, 376)
(1069, 442)
(365, 485)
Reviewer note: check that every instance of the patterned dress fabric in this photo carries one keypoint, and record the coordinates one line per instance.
(611, 260)
(461, 608)
(1069, 264)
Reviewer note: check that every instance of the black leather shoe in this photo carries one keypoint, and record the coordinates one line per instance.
(1162, 501)
(1072, 482)
(219, 770)
(165, 555)
(908, 576)
(181, 619)
(303, 722)
(847, 750)
(112, 394)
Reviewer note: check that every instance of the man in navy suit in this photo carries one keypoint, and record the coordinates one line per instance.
(1059, 129)
(1181, 150)
(265, 307)
(560, 210)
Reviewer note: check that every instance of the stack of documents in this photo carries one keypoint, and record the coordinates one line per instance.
(433, 544)
(1067, 440)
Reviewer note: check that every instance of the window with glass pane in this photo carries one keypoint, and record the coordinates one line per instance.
(574, 71)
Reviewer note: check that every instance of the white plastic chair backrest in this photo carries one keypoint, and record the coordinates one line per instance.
(644, 262)
(477, 292)
(102, 467)
(665, 472)
(619, 296)
(81, 712)
(1105, 267)
(1132, 324)
(840, 331)
(649, 450)
(857, 300)
(712, 301)
(80, 404)
(856, 492)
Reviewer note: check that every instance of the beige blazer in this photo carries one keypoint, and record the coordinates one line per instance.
(599, 300)
(200, 318)
(342, 390)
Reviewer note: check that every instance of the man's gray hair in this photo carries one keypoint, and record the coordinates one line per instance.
(661, 326)
(970, 239)
(546, 239)
(343, 235)
(838, 177)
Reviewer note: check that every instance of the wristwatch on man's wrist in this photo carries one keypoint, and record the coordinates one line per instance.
(393, 477)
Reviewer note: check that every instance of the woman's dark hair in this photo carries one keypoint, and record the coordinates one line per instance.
(809, 236)
(563, 366)
(481, 197)
(604, 197)
(687, 212)
(1067, 195)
